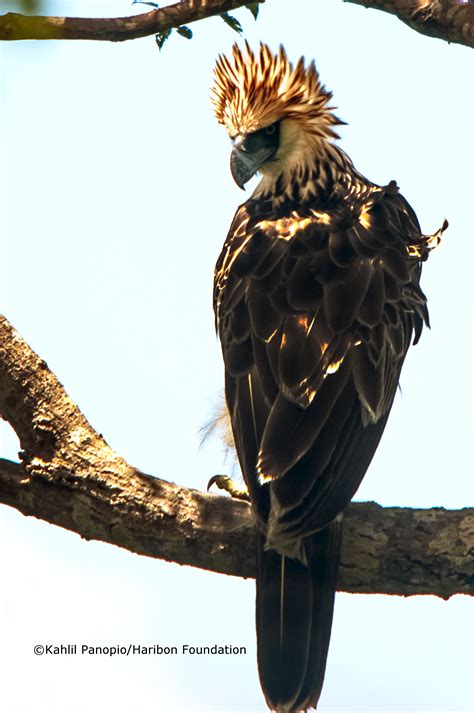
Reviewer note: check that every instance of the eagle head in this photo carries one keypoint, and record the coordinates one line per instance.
(276, 114)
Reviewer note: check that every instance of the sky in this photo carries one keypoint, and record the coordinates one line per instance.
(115, 199)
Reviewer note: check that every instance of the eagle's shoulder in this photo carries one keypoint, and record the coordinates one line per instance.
(302, 289)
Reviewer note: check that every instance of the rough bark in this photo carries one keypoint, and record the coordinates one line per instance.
(70, 477)
(450, 20)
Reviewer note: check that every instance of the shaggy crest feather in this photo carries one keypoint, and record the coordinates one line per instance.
(253, 90)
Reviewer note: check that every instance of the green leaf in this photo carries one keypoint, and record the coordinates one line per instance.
(232, 22)
(254, 7)
(161, 38)
(145, 2)
(184, 32)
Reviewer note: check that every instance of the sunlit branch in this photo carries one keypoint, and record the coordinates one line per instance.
(70, 477)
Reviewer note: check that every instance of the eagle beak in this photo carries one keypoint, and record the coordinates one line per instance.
(244, 163)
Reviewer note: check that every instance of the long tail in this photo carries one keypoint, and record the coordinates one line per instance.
(295, 605)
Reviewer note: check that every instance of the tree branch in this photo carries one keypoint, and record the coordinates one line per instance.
(70, 477)
(384, 550)
(450, 20)
(14, 26)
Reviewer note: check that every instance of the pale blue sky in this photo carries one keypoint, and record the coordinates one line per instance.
(115, 198)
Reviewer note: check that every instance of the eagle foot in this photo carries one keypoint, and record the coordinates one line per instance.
(223, 482)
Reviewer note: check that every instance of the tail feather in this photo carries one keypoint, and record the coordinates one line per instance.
(324, 569)
(295, 605)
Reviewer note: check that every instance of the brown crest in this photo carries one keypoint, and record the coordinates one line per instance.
(253, 90)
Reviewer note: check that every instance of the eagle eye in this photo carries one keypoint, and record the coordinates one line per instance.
(270, 130)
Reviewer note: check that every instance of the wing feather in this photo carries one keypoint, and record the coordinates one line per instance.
(343, 299)
(371, 309)
(315, 316)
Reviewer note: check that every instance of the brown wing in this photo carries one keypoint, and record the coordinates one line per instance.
(315, 311)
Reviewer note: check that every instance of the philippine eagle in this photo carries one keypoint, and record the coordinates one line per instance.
(317, 297)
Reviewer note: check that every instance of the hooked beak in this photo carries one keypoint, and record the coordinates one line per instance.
(245, 164)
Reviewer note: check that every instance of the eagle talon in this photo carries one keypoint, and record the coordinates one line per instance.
(223, 482)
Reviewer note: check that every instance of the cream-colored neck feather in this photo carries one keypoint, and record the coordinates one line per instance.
(253, 90)
(298, 156)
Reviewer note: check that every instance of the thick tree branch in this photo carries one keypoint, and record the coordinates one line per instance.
(450, 20)
(70, 477)
(384, 550)
(14, 26)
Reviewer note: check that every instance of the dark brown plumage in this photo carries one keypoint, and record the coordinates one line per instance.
(317, 299)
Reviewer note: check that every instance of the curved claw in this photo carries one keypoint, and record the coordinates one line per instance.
(215, 480)
(225, 483)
